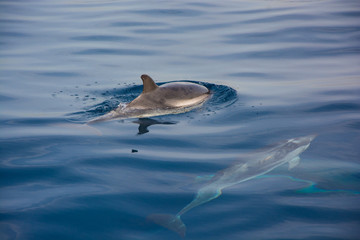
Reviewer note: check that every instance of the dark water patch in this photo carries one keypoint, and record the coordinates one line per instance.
(137, 24)
(35, 151)
(13, 34)
(333, 29)
(350, 234)
(290, 53)
(125, 52)
(354, 13)
(253, 210)
(4, 98)
(199, 27)
(30, 121)
(355, 37)
(114, 222)
(122, 215)
(169, 12)
(335, 107)
(7, 230)
(202, 4)
(60, 74)
(355, 125)
(295, 34)
(79, 6)
(324, 215)
(250, 75)
(342, 92)
(156, 165)
(283, 17)
(183, 29)
(105, 38)
(278, 36)
(15, 21)
(22, 175)
(255, 11)
(159, 30)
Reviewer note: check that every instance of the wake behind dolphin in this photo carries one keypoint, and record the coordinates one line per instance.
(287, 152)
(169, 98)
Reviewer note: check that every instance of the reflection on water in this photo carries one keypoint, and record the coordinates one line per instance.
(144, 123)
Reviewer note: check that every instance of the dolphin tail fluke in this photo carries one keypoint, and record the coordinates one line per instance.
(171, 222)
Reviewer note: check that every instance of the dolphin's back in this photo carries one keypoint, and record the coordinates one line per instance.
(171, 95)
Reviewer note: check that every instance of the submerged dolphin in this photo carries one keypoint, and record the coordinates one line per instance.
(169, 98)
(287, 152)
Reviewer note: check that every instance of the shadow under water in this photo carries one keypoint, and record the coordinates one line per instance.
(144, 123)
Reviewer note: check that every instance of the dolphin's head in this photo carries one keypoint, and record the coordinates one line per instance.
(295, 146)
(303, 141)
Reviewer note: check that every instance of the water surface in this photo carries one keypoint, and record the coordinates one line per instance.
(278, 70)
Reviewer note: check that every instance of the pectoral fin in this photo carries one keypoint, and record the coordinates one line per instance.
(294, 162)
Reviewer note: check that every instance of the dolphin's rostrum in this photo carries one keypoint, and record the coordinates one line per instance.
(169, 98)
(264, 162)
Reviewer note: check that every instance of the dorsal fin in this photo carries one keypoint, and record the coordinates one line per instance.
(148, 84)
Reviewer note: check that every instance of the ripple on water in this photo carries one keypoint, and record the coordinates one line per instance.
(107, 38)
(336, 107)
(112, 51)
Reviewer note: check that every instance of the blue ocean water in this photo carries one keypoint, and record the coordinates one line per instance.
(277, 69)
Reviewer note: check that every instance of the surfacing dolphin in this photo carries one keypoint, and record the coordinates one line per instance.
(169, 98)
(287, 152)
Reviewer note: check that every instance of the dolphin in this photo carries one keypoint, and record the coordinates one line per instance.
(169, 98)
(286, 152)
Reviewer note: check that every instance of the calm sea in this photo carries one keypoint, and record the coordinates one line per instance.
(278, 69)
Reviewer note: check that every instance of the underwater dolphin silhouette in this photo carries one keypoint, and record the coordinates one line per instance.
(287, 152)
(169, 98)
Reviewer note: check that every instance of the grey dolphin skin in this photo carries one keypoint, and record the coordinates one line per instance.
(169, 98)
(287, 152)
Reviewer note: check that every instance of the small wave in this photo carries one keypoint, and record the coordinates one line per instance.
(104, 51)
(223, 96)
(336, 107)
